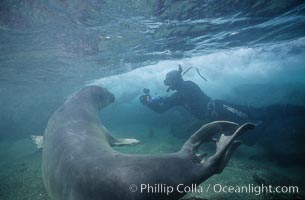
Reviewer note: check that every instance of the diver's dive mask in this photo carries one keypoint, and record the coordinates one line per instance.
(168, 81)
(173, 77)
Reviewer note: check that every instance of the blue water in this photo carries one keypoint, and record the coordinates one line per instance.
(251, 52)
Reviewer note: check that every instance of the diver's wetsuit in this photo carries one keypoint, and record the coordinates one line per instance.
(188, 95)
(191, 97)
(201, 106)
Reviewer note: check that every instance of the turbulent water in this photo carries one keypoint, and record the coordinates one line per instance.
(51, 48)
(251, 52)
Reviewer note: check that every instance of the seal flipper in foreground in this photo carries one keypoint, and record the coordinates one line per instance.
(79, 164)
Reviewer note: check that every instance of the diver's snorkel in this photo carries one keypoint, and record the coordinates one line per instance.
(196, 70)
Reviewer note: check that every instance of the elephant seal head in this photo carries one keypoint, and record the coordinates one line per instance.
(97, 96)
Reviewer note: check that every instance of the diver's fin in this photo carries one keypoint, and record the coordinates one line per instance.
(37, 140)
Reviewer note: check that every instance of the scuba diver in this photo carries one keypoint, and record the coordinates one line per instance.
(189, 95)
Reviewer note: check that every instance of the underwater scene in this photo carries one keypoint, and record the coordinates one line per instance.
(152, 99)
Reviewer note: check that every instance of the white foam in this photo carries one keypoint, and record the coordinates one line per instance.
(224, 70)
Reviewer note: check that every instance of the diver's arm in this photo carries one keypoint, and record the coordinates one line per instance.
(159, 107)
(163, 104)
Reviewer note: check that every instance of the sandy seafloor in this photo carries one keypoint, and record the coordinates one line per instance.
(20, 167)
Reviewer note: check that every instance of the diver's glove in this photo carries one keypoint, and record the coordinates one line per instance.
(156, 100)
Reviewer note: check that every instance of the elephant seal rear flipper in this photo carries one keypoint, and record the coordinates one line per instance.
(225, 146)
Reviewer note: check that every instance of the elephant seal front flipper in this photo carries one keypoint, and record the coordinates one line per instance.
(119, 141)
(37, 140)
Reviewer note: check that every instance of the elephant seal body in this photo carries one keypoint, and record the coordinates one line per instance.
(79, 164)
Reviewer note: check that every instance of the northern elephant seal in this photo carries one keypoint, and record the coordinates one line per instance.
(79, 164)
